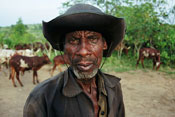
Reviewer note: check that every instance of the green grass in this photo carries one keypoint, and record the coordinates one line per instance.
(128, 63)
(168, 71)
(124, 64)
(119, 64)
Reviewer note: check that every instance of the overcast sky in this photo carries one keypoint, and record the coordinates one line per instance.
(31, 11)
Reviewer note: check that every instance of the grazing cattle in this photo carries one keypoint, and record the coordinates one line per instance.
(40, 46)
(59, 60)
(3, 61)
(22, 63)
(47, 46)
(5, 55)
(149, 53)
(35, 46)
(23, 46)
(125, 50)
(26, 52)
(4, 46)
(122, 48)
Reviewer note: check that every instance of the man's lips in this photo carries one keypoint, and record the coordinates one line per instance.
(84, 66)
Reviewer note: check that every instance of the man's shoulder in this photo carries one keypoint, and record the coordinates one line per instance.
(112, 77)
(111, 80)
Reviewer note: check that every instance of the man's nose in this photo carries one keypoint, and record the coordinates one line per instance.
(83, 50)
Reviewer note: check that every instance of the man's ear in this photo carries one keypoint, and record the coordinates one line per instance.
(105, 46)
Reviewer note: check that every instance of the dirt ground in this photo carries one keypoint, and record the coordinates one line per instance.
(146, 94)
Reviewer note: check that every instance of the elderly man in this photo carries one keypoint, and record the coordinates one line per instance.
(85, 34)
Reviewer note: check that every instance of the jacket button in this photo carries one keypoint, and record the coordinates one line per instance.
(102, 112)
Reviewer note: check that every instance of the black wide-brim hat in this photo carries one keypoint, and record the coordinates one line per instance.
(85, 17)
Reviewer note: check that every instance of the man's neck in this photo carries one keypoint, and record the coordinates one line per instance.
(90, 89)
(86, 81)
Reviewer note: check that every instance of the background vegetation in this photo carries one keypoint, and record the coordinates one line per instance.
(20, 34)
(150, 23)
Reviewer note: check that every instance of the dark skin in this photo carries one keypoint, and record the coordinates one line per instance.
(85, 51)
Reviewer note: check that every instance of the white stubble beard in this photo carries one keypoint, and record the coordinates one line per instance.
(84, 75)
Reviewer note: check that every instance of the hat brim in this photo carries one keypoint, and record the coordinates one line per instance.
(112, 29)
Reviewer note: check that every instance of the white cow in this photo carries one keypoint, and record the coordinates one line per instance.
(6, 54)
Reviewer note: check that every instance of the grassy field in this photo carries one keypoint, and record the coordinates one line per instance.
(114, 63)
(128, 63)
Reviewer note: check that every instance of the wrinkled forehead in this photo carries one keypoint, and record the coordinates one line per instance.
(83, 33)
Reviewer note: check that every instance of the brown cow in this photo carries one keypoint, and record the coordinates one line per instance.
(38, 45)
(122, 48)
(23, 46)
(125, 50)
(22, 63)
(4, 61)
(59, 60)
(149, 53)
(47, 46)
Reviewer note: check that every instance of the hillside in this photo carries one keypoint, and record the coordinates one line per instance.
(34, 29)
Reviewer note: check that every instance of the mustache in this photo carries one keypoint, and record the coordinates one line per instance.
(78, 59)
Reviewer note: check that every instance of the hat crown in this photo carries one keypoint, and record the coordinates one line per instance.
(85, 17)
(83, 8)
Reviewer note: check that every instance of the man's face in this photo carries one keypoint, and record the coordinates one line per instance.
(85, 52)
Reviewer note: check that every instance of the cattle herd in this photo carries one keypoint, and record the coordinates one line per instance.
(24, 57)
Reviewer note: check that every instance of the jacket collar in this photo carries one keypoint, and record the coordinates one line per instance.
(71, 87)
(109, 80)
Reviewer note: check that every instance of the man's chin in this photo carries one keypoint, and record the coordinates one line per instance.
(84, 74)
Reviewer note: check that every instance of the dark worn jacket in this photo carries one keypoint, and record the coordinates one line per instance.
(61, 96)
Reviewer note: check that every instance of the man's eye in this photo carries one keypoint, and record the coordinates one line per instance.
(74, 40)
(92, 39)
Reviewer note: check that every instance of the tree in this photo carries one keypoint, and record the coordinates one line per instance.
(18, 34)
(146, 22)
(19, 29)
